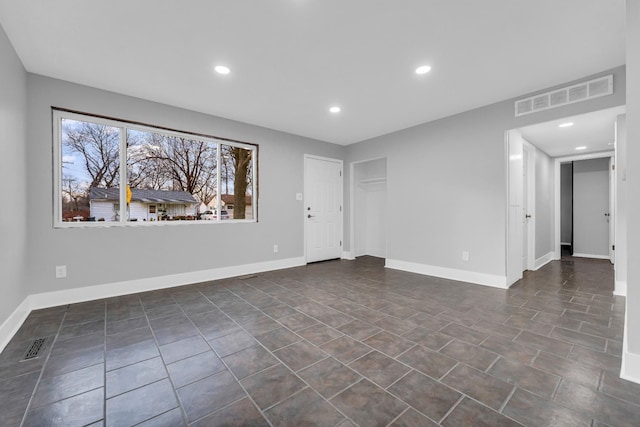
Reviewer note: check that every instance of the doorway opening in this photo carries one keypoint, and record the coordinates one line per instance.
(586, 208)
(565, 140)
(369, 208)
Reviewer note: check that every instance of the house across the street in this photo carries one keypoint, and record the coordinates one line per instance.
(146, 205)
(228, 202)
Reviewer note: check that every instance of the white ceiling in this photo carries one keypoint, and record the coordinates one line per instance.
(292, 59)
(595, 130)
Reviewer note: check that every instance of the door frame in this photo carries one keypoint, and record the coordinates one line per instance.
(612, 209)
(530, 167)
(513, 206)
(350, 254)
(556, 184)
(341, 216)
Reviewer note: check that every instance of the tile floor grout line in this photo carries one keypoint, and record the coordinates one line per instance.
(238, 381)
(263, 412)
(555, 389)
(453, 407)
(183, 412)
(449, 371)
(506, 401)
(42, 369)
(407, 409)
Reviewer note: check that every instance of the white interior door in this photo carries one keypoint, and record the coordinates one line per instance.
(612, 205)
(591, 208)
(322, 208)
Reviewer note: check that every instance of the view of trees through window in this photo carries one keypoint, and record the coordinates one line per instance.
(116, 172)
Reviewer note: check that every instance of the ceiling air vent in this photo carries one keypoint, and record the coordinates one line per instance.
(581, 92)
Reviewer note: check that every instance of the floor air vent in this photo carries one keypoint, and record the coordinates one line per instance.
(568, 95)
(35, 349)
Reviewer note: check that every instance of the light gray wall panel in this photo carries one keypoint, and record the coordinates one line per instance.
(106, 255)
(633, 179)
(13, 176)
(451, 176)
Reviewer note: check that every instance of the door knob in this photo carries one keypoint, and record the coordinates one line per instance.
(527, 216)
(309, 216)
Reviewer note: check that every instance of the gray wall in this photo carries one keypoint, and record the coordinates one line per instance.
(590, 203)
(452, 174)
(633, 176)
(566, 202)
(13, 175)
(544, 204)
(106, 255)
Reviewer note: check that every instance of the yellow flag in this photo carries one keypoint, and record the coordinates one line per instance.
(128, 194)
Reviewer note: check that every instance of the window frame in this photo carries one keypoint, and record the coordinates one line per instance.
(58, 114)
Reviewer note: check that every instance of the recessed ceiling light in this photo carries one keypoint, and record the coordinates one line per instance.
(221, 69)
(334, 110)
(565, 125)
(423, 69)
(581, 148)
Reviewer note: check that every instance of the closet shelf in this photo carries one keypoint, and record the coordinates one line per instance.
(372, 182)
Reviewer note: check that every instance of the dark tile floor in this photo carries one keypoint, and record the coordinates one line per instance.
(339, 343)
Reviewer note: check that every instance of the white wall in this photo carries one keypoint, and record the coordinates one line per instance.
(621, 206)
(131, 252)
(566, 202)
(544, 205)
(632, 343)
(13, 175)
(454, 169)
(590, 203)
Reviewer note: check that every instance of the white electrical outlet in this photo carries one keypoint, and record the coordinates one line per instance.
(275, 249)
(465, 255)
(61, 271)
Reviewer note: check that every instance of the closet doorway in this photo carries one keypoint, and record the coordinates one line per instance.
(370, 208)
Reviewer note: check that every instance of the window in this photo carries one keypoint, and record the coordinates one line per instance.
(118, 172)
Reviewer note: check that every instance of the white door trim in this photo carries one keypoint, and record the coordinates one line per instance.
(513, 206)
(556, 181)
(351, 254)
(531, 204)
(612, 209)
(303, 215)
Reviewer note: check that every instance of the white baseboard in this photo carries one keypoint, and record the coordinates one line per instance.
(591, 256)
(620, 288)
(13, 323)
(544, 260)
(347, 255)
(449, 273)
(630, 368)
(75, 295)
